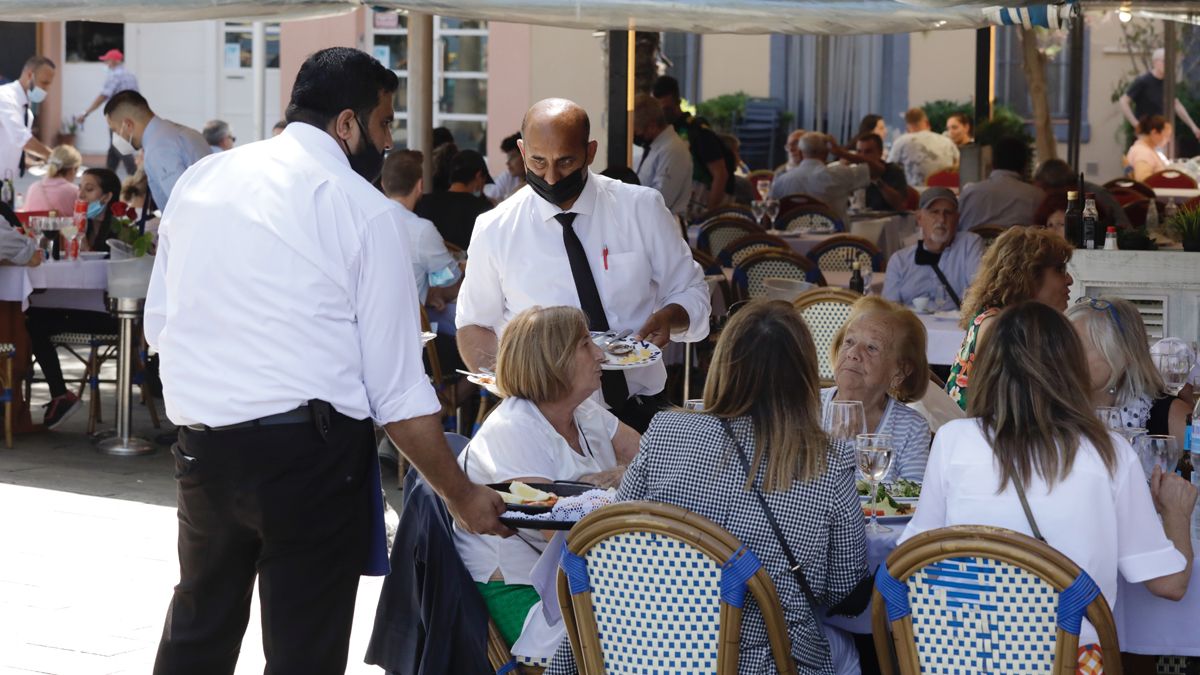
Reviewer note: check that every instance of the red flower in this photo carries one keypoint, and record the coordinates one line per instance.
(118, 208)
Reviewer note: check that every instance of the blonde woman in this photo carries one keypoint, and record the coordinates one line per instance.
(879, 359)
(764, 389)
(1024, 263)
(1122, 374)
(1033, 431)
(57, 191)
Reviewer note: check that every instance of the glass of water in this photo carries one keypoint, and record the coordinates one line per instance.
(1157, 450)
(1174, 368)
(772, 212)
(874, 453)
(759, 208)
(1110, 417)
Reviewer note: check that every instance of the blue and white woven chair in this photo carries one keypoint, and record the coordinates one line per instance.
(750, 276)
(809, 219)
(729, 211)
(737, 251)
(839, 252)
(647, 587)
(824, 310)
(975, 599)
(716, 234)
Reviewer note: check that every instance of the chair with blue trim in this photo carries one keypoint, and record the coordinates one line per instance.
(839, 252)
(749, 278)
(716, 234)
(729, 211)
(8, 352)
(650, 587)
(816, 219)
(739, 250)
(800, 200)
(824, 310)
(977, 599)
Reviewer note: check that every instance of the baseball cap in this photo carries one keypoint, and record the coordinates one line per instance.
(930, 195)
(113, 55)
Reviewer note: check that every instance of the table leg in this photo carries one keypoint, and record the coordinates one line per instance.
(122, 443)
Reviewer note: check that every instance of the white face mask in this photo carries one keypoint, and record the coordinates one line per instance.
(37, 94)
(122, 145)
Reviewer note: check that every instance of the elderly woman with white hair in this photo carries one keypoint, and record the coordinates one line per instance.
(1122, 373)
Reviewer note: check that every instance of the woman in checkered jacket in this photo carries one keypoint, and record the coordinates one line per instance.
(763, 383)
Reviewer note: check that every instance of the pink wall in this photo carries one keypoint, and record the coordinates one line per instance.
(50, 45)
(299, 39)
(510, 85)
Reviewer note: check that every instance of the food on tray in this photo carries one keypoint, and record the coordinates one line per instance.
(886, 498)
(520, 493)
(636, 353)
(900, 488)
(889, 507)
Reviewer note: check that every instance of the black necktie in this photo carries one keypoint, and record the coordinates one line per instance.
(612, 382)
(21, 160)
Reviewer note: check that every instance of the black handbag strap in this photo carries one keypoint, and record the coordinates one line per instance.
(1028, 512)
(946, 283)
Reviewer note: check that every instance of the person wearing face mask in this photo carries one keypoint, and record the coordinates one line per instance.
(99, 188)
(453, 211)
(942, 263)
(284, 312)
(578, 238)
(168, 148)
(666, 163)
(16, 119)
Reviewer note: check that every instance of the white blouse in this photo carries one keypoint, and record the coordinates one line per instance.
(516, 441)
(1104, 522)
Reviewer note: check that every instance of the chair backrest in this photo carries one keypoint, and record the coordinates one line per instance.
(750, 276)
(947, 178)
(839, 253)
(985, 599)
(740, 249)
(708, 263)
(651, 587)
(1170, 178)
(435, 364)
(824, 310)
(456, 442)
(1136, 210)
(809, 218)
(715, 235)
(797, 200)
(759, 175)
(1125, 195)
(988, 233)
(1131, 184)
(912, 199)
(728, 211)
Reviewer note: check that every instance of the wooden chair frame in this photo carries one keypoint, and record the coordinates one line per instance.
(1000, 544)
(8, 354)
(798, 200)
(781, 223)
(878, 263)
(818, 295)
(696, 531)
(1131, 184)
(757, 175)
(747, 227)
(728, 211)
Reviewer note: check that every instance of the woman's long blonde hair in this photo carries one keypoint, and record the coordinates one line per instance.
(765, 366)
(1030, 390)
(1012, 269)
(1119, 334)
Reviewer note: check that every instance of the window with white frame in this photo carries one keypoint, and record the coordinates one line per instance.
(238, 42)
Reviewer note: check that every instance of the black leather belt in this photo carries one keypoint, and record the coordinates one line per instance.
(301, 415)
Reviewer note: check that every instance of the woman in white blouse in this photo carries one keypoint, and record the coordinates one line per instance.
(549, 427)
(879, 359)
(1032, 423)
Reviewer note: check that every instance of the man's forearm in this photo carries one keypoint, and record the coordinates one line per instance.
(891, 195)
(424, 444)
(477, 346)
(95, 104)
(1183, 114)
(1128, 111)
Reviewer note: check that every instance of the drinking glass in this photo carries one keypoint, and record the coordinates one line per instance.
(1157, 450)
(845, 421)
(1174, 368)
(772, 212)
(1110, 417)
(764, 188)
(759, 208)
(874, 453)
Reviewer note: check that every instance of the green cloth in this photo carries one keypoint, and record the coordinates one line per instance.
(508, 605)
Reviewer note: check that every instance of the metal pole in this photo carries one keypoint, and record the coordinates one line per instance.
(122, 443)
(1075, 97)
(619, 81)
(1170, 50)
(983, 75)
(420, 90)
(258, 64)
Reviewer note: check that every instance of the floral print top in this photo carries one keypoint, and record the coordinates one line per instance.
(956, 385)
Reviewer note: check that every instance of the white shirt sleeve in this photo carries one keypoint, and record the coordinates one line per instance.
(154, 316)
(850, 176)
(931, 507)
(389, 327)
(680, 280)
(440, 267)
(1143, 550)
(481, 297)
(14, 246)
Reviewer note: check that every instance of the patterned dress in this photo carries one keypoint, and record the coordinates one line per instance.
(956, 384)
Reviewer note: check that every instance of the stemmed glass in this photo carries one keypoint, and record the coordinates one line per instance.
(1174, 368)
(1110, 417)
(772, 212)
(1155, 450)
(874, 455)
(845, 421)
(764, 189)
(759, 208)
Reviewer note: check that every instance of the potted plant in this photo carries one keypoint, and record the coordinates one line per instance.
(68, 131)
(129, 266)
(1185, 225)
(125, 229)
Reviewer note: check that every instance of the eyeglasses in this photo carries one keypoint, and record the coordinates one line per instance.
(1103, 306)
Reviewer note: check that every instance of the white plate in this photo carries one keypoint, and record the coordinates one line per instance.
(426, 336)
(948, 315)
(643, 354)
(486, 381)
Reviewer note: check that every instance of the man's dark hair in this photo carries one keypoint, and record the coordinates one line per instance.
(335, 79)
(665, 85)
(964, 119)
(1054, 174)
(870, 137)
(442, 136)
(1010, 153)
(401, 172)
(280, 125)
(126, 99)
(509, 144)
(37, 61)
(466, 165)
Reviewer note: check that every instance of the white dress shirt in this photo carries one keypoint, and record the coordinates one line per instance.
(169, 149)
(432, 263)
(14, 126)
(503, 186)
(831, 183)
(1103, 522)
(283, 276)
(667, 167)
(518, 260)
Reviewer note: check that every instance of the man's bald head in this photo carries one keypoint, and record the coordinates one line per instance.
(559, 116)
(554, 141)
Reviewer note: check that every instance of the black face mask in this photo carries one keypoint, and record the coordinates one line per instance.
(641, 140)
(367, 161)
(567, 188)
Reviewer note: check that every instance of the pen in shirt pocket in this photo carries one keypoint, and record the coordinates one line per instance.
(606, 257)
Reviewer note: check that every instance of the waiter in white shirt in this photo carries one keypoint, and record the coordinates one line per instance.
(283, 307)
(572, 237)
(16, 133)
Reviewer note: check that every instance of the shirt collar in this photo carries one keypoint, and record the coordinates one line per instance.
(811, 164)
(312, 138)
(584, 205)
(1005, 173)
(664, 137)
(22, 95)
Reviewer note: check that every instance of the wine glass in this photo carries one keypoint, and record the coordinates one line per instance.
(764, 188)
(845, 420)
(759, 208)
(772, 212)
(1157, 450)
(1174, 368)
(874, 455)
(1110, 417)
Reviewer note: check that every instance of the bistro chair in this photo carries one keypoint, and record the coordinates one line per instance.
(99, 349)
(749, 278)
(759, 175)
(737, 251)
(988, 233)
(912, 199)
(715, 235)
(797, 200)
(976, 599)
(1170, 178)
(1125, 195)
(8, 352)
(728, 211)
(1137, 210)
(947, 178)
(809, 219)
(652, 588)
(824, 310)
(1131, 184)
(839, 253)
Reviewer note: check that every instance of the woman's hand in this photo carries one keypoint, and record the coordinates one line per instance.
(605, 479)
(1173, 496)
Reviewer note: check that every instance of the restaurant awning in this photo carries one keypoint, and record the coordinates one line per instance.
(129, 11)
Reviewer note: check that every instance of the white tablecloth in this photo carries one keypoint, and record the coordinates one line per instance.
(888, 232)
(78, 284)
(944, 339)
(1181, 194)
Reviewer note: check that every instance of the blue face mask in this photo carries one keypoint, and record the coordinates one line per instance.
(94, 209)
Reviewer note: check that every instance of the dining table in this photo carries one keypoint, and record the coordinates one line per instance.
(943, 337)
(889, 232)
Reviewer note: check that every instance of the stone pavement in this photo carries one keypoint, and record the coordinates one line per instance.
(87, 555)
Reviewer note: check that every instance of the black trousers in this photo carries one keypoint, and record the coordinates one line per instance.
(639, 410)
(115, 158)
(43, 322)
(286, 505)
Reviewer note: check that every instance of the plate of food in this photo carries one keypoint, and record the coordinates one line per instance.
(625, 353)
(531, 506)
(895, 502)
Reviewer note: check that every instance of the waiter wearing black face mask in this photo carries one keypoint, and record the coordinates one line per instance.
(285, 315)
(577, 238)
